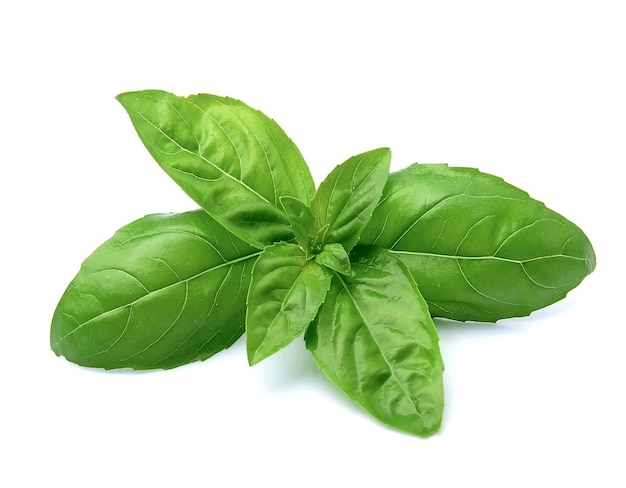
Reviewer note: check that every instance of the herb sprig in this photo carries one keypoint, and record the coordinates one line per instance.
(358, 267)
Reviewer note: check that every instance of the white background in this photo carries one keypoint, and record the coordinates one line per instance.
(531, 91)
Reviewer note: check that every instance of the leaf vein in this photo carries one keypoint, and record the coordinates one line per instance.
(168, 286)
(212, 164)
(392, 371)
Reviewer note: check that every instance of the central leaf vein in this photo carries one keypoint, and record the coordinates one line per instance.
(382, 354)
(163, 288)
(212, 164)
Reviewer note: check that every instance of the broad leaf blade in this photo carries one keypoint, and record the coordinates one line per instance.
(165, 290)
(347, 197)
(232, 160)
(374, 338)
(479, 248)
(285, 294)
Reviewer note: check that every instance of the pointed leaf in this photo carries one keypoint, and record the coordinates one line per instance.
(232, 160)
(301, 220)
(347, 197)
(165, 290)
(479, 248)
(285, 294)
(374, 338)
(334, 257)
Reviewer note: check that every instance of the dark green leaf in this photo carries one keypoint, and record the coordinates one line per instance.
(479, 248)
(334, 257)
(374, 338)
(232, 160)
(347, 197)
(165, 290)
(285, 294)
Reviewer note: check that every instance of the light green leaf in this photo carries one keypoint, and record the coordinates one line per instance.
(301, 220)
(374, 338)
(232, 160)
(165, 290)
(347, 197)
(334, 257)
(479, 248)
(285, 294)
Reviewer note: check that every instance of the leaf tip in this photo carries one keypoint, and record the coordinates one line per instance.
(254, 357)
(383, 154)
(124, 96)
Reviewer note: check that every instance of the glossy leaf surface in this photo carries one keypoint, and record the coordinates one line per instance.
(374, 338)
(232, 160)
(285, 293)
(165, 290)
(479, 248)
(347, 197)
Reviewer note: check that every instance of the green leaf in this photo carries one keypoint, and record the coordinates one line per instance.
(347, 197)
(165, 290)
(285, 294)
(374, 338)
(301, 220)
(232, 160)
(334, 257)
(479, 248)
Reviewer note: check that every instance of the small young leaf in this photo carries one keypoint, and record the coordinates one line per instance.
(334, 257)
(232, 160)
(317, 241)
(479, 248)
(285, 294)
(301, 220)
(347, 197)
(165, 290)
(374, 338)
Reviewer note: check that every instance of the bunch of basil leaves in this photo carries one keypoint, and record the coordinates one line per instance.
(359, 266)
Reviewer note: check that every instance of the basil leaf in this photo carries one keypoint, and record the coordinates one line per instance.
(374, 338)
(301, 220)
(347, 197)
(165, 290)
(479, 248)
(285, 294)
(232, 160)
(334, 257)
